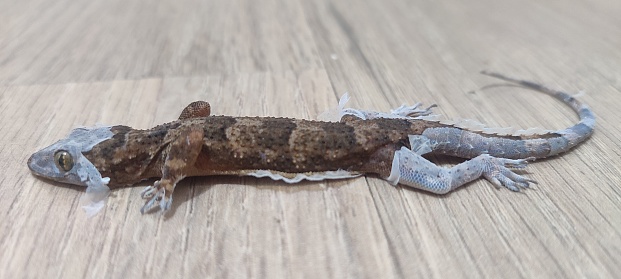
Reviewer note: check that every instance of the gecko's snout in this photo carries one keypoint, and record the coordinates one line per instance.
(36, 166)
(30, 162)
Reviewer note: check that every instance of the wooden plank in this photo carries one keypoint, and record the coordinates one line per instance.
(103, 40)
(138, 63)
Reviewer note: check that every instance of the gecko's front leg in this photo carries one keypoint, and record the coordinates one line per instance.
(182, 152)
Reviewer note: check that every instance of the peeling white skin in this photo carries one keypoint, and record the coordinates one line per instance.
(338, 174)
(83, 173)
(335, 114)
(420, 144)
(476, 126)
(402, 112)
(411, 169)
(394, 176)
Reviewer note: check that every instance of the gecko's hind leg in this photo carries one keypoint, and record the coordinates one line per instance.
(411, 169)
(183, 150)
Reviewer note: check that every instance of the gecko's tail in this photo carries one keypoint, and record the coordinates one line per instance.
(574, 134)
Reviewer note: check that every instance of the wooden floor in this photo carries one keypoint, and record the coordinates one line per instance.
(65, 64)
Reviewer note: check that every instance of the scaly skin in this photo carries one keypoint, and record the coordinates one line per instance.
(387, 144)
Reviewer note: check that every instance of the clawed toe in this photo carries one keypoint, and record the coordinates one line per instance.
(156, 198)
(500, 174)
(148, 192)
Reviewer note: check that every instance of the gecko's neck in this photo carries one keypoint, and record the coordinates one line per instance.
(129, 156)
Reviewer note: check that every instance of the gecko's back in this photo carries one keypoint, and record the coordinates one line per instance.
(244, 145)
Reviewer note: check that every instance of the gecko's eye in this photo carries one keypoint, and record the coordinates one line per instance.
(63, 160)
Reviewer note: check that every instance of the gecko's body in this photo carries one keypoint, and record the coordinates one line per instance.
(389, 145)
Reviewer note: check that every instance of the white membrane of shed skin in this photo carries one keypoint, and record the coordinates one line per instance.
(317, 176)
(97, 189)
(476, 126)
(402, 112)
(335, 114)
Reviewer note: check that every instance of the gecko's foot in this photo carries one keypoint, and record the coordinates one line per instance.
(499, 172)
(149, 191)
(157, 197)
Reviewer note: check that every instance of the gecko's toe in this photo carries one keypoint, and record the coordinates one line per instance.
(165, 204)
(509, 184)
(148, 192)
(499, 172)
(147, 207)
(521, 181)
(158, 199)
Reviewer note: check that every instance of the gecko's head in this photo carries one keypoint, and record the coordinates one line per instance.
(64, 162)
(55, 164)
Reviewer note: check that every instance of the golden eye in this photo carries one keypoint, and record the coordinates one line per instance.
(63, 160)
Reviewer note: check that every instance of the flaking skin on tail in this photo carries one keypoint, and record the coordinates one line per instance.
(491, 154)
(574, 134)
(466, 142)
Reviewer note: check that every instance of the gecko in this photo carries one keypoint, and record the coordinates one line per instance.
(390, 145)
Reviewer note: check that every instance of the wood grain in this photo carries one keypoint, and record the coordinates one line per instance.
(70, 63)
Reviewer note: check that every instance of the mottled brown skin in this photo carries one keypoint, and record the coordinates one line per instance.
(198, 145)
(237, 145)
(291, 149)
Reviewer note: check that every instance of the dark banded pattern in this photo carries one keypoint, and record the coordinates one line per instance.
(241, 145)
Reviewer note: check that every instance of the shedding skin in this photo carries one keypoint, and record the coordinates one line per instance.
(390, 145)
